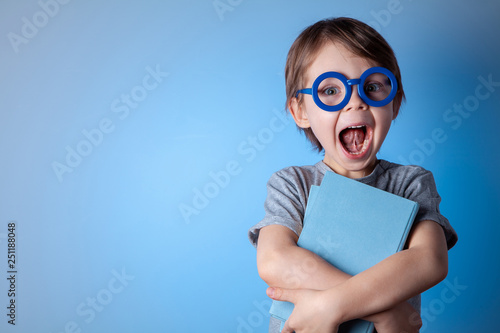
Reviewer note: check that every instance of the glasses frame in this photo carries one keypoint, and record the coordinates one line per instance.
(348, 90)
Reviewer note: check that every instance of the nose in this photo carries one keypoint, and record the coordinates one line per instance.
(356, 102)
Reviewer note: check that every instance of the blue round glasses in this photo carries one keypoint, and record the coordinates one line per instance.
(331, 91)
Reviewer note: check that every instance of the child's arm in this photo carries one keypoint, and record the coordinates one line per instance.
(379, 288)
(282, 263)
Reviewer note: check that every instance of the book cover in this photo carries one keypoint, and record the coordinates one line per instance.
(353, 226)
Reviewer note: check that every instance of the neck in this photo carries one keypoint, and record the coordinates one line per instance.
(353, 174)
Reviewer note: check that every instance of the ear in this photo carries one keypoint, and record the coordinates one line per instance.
(395, 110)
(395, 113)
(299, 113)
(396, 106)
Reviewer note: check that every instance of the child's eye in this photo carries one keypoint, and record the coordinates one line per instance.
(331, 91)
(373, 87)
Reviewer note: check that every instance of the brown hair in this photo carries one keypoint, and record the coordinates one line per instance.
(356, 36)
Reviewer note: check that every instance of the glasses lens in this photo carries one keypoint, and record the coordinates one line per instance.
(331, 91)
(377, 86)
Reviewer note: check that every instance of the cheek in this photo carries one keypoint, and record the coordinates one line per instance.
(384, 124)
(323, 121)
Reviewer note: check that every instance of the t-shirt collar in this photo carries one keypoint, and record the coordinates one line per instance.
(323, 168)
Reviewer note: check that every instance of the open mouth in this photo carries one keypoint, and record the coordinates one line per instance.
(355, 139)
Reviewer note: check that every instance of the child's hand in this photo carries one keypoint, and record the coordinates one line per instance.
(401, 318)
(314, 310)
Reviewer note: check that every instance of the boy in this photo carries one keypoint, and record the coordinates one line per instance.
(356, 93)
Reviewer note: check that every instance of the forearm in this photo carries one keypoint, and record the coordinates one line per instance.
(397, 278)
(281, 263)
(296, 268)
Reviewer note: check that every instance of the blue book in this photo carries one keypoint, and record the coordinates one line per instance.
(353, 226)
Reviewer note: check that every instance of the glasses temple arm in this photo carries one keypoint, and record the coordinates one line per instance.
(304, 91)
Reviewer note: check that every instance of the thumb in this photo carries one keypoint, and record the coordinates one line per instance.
(282, 294)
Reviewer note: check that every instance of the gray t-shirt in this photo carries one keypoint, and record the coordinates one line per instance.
(288, 192)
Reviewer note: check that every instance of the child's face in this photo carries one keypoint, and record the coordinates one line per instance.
(352, 136)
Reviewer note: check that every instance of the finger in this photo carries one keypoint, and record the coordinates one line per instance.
(281, 294)
(287, 328)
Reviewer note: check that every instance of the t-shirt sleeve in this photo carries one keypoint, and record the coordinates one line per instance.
(423, 190)
(284, 205)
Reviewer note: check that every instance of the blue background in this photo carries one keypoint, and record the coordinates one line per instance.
(118, 212)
